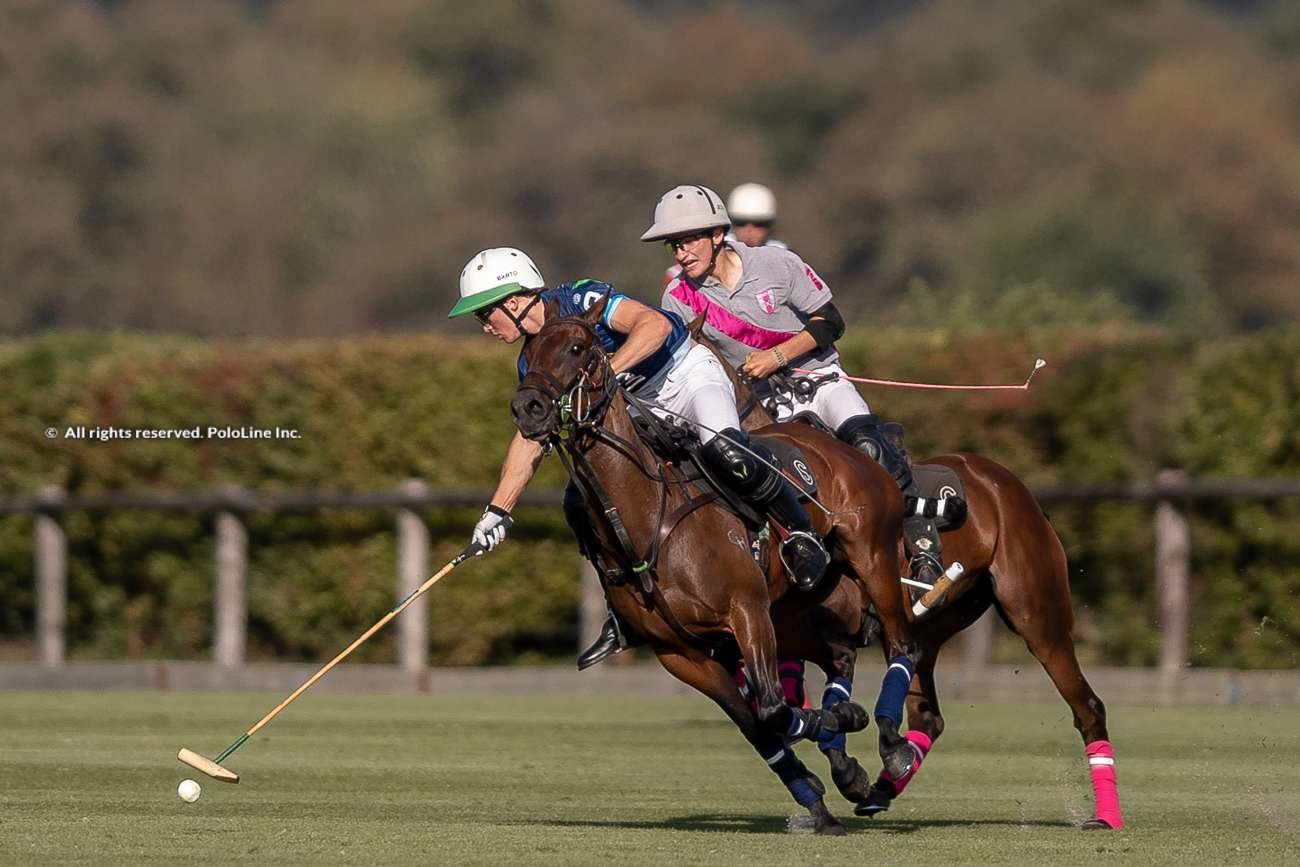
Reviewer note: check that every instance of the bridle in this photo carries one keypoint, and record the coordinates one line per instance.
(575, 410)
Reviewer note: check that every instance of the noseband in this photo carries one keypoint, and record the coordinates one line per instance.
(575, 409)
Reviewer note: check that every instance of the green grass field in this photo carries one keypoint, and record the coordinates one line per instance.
(92, 777)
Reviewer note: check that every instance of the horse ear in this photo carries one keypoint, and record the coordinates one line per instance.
(696, 324)
(595, 311)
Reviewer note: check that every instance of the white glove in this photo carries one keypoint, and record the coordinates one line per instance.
(629, 380)
(491, 529)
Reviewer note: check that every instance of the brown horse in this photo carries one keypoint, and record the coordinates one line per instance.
(694, 589)
(1015, 563)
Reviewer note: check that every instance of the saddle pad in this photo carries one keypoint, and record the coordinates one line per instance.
(790, 458)
(937, 491)
(936, 481)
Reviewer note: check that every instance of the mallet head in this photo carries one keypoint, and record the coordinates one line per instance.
(207, 766)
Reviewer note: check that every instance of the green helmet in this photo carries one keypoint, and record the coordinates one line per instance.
(493, 275)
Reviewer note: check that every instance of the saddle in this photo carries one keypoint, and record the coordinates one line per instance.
(675, 446)
(678, 444)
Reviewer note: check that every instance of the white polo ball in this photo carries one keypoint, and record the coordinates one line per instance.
(189, 791)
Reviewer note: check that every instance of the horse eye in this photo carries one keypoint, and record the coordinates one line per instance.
(575, 349)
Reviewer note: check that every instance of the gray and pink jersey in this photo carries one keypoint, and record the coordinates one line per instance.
(763, 310)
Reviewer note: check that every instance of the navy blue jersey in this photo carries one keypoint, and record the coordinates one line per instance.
(577, 297)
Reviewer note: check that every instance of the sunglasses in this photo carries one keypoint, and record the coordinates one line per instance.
(672, 245)
(485, 314)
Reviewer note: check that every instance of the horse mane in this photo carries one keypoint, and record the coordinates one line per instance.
(758, 416)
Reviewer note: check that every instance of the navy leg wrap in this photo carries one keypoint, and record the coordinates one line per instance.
(893, 689)
(786, 765)
(800, 724)
(838, 689)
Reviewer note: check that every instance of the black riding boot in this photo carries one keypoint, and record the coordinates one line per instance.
(803, 553)
(609, 642)
(881, 443)
(729, 456)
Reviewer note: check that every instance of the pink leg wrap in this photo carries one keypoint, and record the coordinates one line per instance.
(1105, 791)
(921, 744)
(791, 672)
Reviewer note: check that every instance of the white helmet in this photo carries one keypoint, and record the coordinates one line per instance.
(752, 202)
(494, 274)
(685, 209)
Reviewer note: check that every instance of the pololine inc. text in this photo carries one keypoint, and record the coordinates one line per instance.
(197, 432)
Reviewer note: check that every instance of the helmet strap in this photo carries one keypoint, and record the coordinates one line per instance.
(717, 251)
(523, 314)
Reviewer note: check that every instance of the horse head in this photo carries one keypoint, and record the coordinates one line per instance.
(566, 365)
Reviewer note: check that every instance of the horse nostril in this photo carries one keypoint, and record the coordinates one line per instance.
(530, 412)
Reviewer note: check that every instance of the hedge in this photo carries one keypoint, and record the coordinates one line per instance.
(1112, 405)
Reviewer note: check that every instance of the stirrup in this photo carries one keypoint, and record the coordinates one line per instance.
(814, 563)
(925, 569)
(609, 642)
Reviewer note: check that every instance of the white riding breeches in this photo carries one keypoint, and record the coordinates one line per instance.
(699, 390)
(834, 403)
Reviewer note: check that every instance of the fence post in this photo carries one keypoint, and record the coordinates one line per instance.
(591, 605)
(977, 643)
(229, 601)
(51, 564)
(1173, 553)
(412, 571)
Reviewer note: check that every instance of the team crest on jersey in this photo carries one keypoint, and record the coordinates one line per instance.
(767, 300)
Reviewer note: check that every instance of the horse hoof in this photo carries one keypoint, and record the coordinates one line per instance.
(899, 761)
(850, 778)
(878, 801)
(818, 820)
(846, 717)
(1097, 825)
(831, 829)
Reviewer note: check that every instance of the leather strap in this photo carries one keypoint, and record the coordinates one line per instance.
(625, 553)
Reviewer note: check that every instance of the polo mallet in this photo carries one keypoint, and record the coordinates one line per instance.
(213, 767)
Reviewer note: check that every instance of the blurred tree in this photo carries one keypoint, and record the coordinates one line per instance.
(303, 168)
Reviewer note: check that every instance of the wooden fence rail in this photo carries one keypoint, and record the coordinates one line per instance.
(1170, 491)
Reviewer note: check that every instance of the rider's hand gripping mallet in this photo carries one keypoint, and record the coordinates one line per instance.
(214, 769)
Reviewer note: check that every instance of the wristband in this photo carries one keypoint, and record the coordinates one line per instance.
(780, 357)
